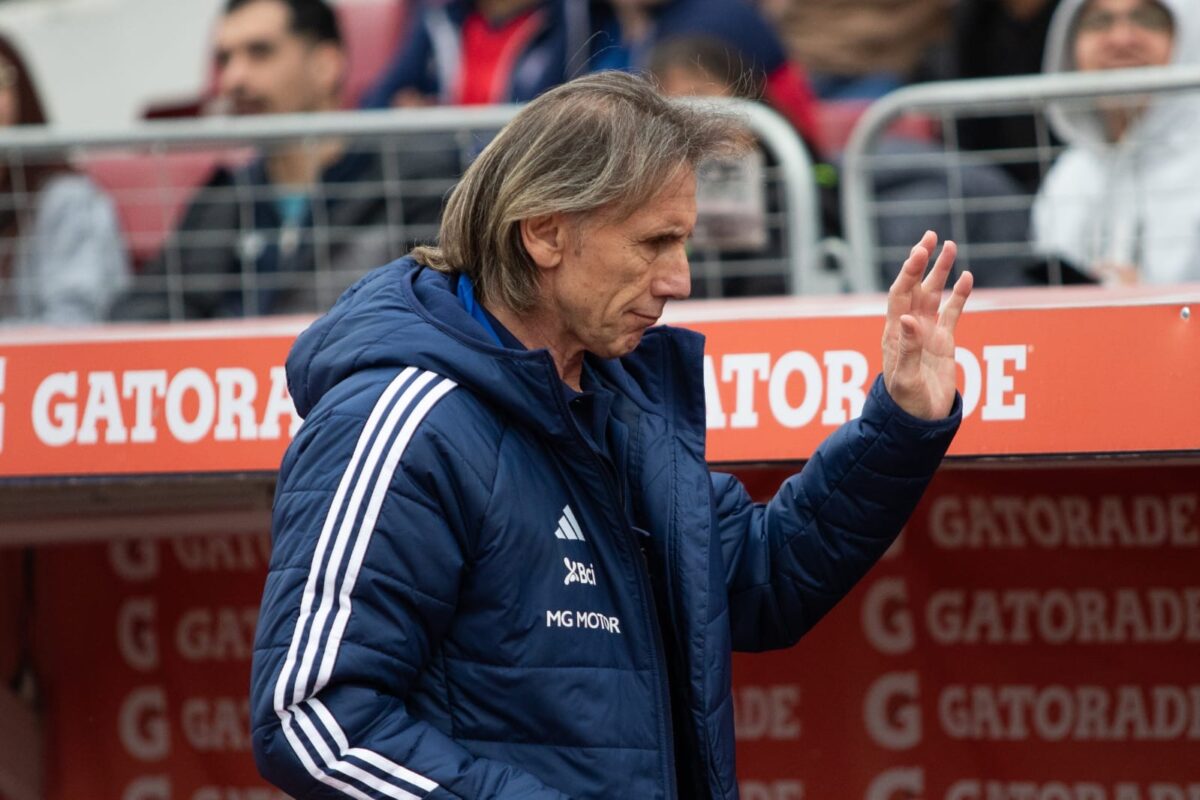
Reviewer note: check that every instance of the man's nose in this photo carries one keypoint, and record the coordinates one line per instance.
(231, 75)
(674, 281)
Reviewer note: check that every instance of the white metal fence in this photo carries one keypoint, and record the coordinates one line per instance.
(182, 228)
(208, 236)
(970, 195)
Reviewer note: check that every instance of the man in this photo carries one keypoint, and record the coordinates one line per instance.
(472, 52)
(290, 230)
(1120, 204)
(501, 567)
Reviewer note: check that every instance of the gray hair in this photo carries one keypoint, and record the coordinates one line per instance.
(606, 142)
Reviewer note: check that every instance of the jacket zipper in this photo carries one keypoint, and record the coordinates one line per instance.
(649, 604)
(650, 612)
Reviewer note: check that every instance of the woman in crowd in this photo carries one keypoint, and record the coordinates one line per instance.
(62, 257)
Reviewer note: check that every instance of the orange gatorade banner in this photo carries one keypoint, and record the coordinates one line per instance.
(780, 375)
(1036, 380)
(1034, 635)
(152, 400)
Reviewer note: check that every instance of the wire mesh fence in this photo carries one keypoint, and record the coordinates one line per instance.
(236, 217)
(1048, 179)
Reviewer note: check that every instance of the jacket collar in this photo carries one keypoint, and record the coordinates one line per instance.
(407, 315)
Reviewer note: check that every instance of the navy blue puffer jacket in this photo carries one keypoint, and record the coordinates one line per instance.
(458, 604)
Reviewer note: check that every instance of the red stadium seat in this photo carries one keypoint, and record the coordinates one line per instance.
(372, 30)
(151, 191)
(837, 118)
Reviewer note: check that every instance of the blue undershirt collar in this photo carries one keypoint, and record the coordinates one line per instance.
(590, 407)
(466, 296)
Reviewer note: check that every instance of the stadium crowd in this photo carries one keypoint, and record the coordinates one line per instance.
(285, 227)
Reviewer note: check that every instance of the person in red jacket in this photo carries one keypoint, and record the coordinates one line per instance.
(469, 52)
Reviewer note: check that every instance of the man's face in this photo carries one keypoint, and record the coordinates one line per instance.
(617, 275)
(265, 68)
(1113, 34)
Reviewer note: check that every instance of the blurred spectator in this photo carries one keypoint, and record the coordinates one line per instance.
(291, 229)
(993, 38)
(472, 52)
(628, 30)
(1122, 202)
(858, 49)
(62, 258)
(703, 66)
(732, 229)
(466, 52)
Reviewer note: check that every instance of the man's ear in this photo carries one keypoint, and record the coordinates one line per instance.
(545, 238)
(329, 67)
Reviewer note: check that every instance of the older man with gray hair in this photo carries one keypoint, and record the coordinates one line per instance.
(502, 568)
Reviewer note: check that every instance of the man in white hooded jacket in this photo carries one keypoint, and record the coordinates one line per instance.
(1122, 203)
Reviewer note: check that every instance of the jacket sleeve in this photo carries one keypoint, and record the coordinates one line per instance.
(81, 263)
(792, 559)
(789, 92)
(407, 70)
(369, 550)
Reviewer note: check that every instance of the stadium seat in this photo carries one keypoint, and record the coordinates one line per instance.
(372, 30)
(150, 191)
(837, 118)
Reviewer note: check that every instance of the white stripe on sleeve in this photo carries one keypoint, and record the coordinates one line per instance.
(359, 480)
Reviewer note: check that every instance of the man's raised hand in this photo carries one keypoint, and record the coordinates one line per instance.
(918, 339)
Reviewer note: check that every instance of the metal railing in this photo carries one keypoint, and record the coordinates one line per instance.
(153, 172)
(866, 164)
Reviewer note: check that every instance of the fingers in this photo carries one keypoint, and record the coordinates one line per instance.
(935, 281)
(958, 299)
(914, 266)
(899, 296)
